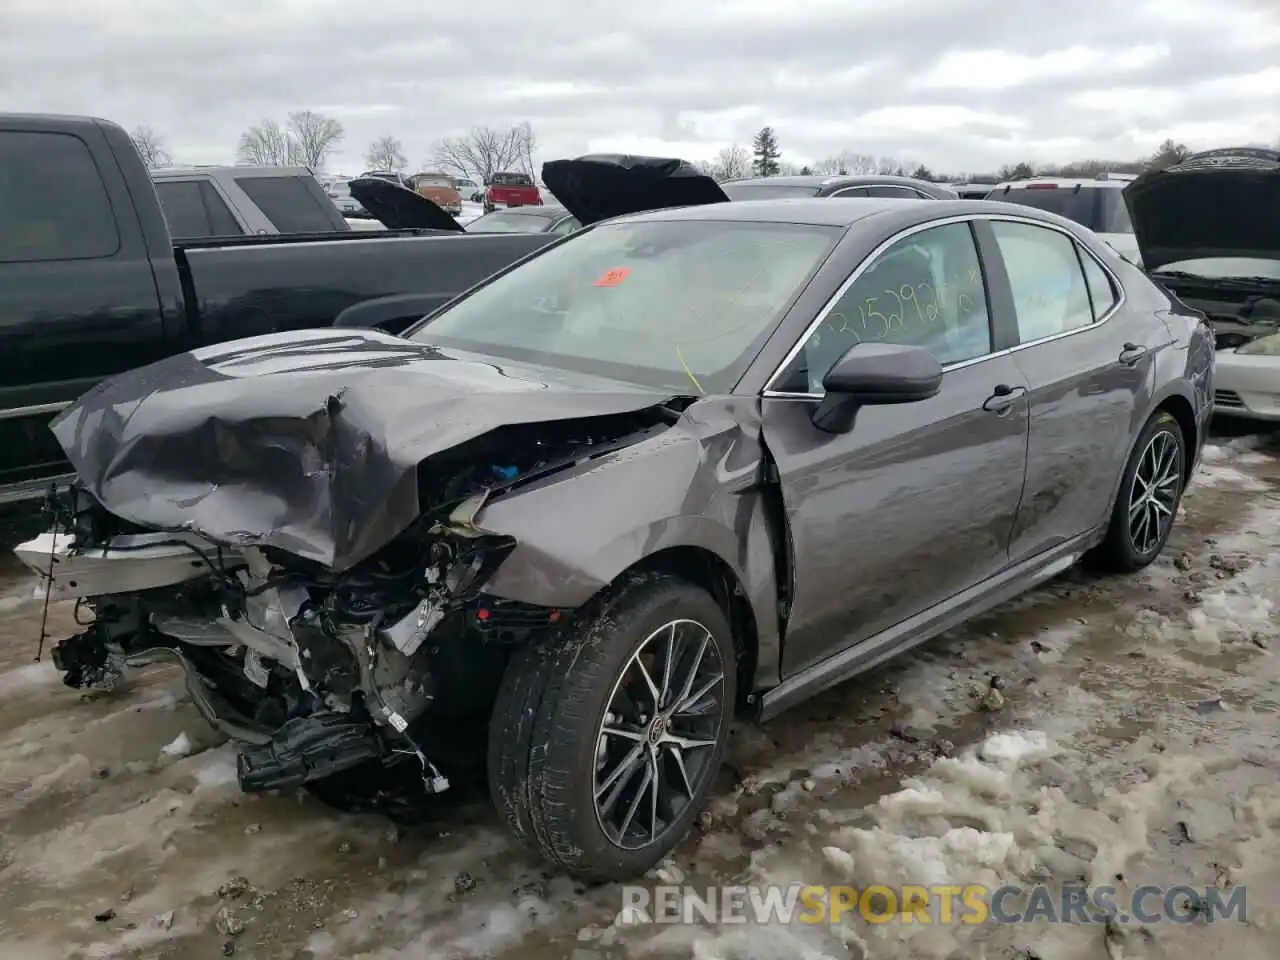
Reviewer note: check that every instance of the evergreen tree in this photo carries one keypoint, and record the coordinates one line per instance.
(767, 154)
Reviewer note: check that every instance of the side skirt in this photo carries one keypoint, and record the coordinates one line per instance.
(924, 626)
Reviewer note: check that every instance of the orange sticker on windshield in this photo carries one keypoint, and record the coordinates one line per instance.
(611, 278)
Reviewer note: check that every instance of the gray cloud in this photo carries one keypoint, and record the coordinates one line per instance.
(665, 75)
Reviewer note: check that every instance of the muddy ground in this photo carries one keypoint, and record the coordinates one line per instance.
(1138, 739)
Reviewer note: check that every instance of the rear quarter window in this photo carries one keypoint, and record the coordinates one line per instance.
(289, 204)
(53, 203)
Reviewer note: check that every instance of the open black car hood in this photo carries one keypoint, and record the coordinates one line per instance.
(605, 185)
(1221, 203)
(400, 209)
(306, 441)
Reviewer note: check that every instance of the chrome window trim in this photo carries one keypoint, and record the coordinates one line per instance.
(871, 258)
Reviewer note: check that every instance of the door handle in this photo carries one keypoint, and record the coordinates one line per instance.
(1002, 399)
(1131, 354)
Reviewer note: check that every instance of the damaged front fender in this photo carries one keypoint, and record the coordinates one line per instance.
(697, 485)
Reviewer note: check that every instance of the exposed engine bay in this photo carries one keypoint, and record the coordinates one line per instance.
(389, 664)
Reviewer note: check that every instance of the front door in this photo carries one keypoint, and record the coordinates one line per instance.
(918, 501)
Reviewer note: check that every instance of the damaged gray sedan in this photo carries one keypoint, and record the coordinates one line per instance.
(680, 466)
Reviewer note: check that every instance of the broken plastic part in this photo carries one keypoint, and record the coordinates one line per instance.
(408, 633)
(306, 749)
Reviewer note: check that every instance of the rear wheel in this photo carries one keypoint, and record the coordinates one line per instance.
(1150, 491)
(604, 743)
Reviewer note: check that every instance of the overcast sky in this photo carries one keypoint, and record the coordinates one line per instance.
(961, 85)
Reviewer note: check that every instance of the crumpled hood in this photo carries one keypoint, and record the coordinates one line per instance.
(307, 441)
(400, 209)
(1220, 203)
(599, 186)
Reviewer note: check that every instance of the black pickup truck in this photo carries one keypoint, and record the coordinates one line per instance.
(92, 283)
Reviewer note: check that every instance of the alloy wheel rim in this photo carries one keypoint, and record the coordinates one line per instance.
(657, 738)
(1153, 497)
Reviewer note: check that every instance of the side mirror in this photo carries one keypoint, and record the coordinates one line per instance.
(875, 373)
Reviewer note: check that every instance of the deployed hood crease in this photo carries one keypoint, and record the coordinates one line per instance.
(307, 441)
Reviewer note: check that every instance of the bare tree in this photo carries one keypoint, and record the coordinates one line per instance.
(150, 146)
(486, 151)
(386, 153)
(306, 140)
(731, 163)
(527, 144)
(847, 163)
(266, 145)
(315, 137)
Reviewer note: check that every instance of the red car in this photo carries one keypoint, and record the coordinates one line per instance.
(511, 190)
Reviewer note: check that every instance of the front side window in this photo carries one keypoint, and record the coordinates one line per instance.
(53, 203)
(567, 225)
(1049, 290)
(674, 304)
(926, 290)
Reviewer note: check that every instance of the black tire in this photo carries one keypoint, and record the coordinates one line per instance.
(546, 732)
(1119, 551)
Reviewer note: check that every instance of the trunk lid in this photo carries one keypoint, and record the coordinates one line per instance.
(1220, 203)
(398, 208)
(600, 186)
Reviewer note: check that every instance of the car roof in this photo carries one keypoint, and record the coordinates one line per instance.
(824, 212)
(1112, 183)
(548, 210)
(818, 180)
(235, 170)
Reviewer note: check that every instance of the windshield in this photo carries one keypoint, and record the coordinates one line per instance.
(768, 191)
(446, 182)
(511, 180)
(1215, 268)
(679, 304)
(1100, 209)
(504, 222)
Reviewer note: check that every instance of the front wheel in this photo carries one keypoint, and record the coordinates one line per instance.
(1150, 491)
(605, 742)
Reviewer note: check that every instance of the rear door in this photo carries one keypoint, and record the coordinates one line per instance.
(1089, 365)
(918, 501)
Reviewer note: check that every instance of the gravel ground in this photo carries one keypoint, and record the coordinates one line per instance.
(1136, 740)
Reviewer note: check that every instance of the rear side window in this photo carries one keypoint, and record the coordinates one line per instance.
(288, 204)
(1102, 292)
(194, 210)
(1049, 290)
(53, 203)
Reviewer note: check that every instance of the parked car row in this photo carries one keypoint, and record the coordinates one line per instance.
(563, 502)
(619, 493)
